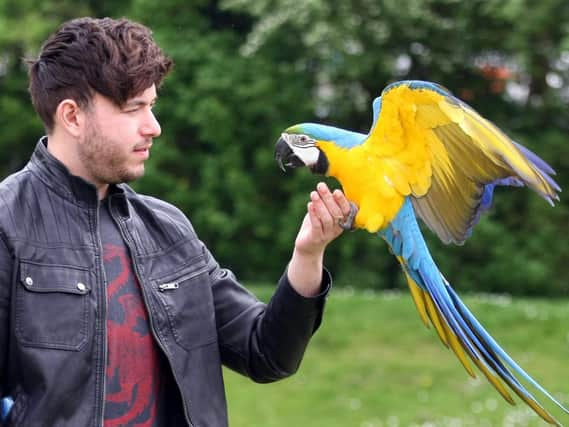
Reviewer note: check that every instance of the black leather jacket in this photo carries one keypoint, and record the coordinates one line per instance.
(53, 302)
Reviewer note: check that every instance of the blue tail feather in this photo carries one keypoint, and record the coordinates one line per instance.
(406, 240)
(471, 342)
(476, 345)
(497, 348)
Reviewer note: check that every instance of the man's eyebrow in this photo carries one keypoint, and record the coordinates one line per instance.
(139, 102)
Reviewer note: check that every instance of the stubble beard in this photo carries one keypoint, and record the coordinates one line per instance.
(103, 159)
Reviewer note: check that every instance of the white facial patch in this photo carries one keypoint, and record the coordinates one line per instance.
(303, 147)
(309, 155)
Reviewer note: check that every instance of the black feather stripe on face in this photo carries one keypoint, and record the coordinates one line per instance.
(322, 165)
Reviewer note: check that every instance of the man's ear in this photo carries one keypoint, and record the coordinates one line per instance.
(70, 117)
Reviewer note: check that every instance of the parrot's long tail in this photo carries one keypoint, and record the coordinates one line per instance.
(439, 305)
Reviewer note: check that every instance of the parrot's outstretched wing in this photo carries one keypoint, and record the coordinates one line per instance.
(451, 158)
(456, 326)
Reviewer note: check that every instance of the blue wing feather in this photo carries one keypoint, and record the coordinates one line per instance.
(486, 199)
(376, 110)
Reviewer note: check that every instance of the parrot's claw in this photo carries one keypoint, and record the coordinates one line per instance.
(348, 222)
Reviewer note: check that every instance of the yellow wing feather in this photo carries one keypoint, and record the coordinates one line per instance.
(436, 149)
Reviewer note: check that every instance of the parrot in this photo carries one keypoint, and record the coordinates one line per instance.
(428, 155)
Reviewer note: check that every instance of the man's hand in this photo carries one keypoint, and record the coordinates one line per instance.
(320, 226)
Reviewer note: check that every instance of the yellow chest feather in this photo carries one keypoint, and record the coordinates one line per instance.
(364, 182)
(394, 161)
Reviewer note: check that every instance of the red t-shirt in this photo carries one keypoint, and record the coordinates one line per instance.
(134, 375)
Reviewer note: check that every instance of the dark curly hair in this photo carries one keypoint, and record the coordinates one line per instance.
(116, 58)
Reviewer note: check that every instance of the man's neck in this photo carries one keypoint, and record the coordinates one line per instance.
(56, 146)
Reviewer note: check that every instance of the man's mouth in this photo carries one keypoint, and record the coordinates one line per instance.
(143, 150)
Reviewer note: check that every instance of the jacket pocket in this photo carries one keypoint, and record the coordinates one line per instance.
(188, 301)
(52, 307)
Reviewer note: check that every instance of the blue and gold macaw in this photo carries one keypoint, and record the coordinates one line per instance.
(428, 155)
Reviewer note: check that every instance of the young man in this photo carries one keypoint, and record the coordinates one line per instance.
(112, 311)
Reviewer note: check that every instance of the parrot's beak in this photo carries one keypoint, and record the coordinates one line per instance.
(284, 155)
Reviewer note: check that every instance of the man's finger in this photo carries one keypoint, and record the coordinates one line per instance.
(314, 215)
(324, 214)
(329, 201)
(342, 202)
(317, 226)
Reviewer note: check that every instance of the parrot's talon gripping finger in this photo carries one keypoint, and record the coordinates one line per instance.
(348, 222)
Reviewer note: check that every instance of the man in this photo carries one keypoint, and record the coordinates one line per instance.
(112, 311)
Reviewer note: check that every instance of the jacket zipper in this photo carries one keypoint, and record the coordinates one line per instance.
(104, 316)
(130, 245)
(168, 286)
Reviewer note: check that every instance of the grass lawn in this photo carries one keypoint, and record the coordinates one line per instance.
(373, 363)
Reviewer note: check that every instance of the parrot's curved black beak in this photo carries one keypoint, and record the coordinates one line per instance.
(285, 157)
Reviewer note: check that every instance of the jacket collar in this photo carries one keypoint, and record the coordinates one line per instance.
(71, 187)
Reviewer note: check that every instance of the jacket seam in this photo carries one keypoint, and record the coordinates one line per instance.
(65, 196)
(55, 246)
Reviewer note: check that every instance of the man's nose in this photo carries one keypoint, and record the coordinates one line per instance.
(151, 127)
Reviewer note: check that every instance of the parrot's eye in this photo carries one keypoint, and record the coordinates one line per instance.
(303, 140)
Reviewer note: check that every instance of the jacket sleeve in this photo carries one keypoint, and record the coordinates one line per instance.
(5, 291)
(265, 342)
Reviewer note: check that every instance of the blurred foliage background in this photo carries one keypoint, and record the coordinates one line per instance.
(246, 69)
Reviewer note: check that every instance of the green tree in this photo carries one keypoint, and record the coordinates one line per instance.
(510, 65)
(245, 70)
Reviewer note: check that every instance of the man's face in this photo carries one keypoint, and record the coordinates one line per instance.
(116, 141)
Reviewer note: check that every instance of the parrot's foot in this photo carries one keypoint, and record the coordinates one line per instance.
(348, 222)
